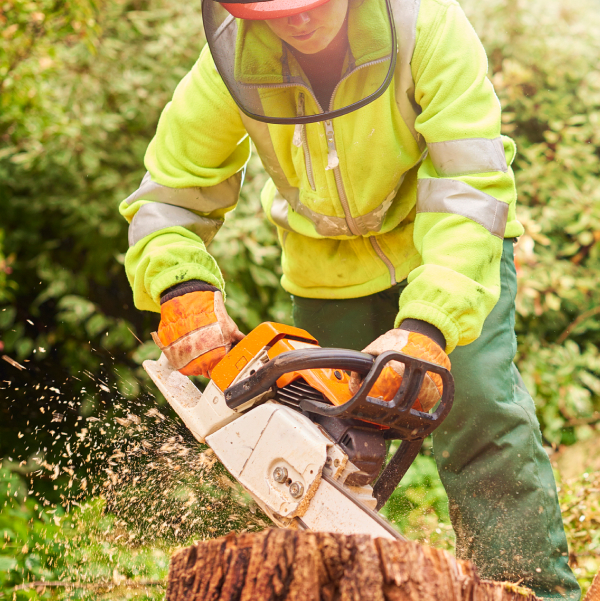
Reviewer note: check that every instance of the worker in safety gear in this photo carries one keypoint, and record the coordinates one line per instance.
(394, 201)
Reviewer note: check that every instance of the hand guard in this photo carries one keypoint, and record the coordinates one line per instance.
(195, 332)
(413, 344)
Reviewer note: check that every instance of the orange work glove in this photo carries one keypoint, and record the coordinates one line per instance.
(195, 332)
(413, 344)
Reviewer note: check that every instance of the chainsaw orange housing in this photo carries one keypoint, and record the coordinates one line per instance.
(278, 339)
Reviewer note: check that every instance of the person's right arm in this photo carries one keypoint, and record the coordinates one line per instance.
(195, 169)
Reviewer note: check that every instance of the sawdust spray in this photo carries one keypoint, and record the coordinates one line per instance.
(137, 462)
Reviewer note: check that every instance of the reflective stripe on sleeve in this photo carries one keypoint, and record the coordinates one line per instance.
(468, 156)
(155, 216)
(458, 198)
(279, 212)
(204, 200)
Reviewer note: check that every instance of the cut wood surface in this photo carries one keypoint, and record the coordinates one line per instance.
(287, 565)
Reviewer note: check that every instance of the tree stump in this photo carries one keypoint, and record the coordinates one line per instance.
(287, 565)
(593, 593)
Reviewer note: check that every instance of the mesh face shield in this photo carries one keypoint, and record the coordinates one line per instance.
(274, 73)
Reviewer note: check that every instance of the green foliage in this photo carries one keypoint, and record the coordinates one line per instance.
(71, 150)
(83, 84)
(30, 31)
(5, 270)
(543, 60)
(84, 99)
(24, 533)
(249, 255)
(580, 503)
(46, 544)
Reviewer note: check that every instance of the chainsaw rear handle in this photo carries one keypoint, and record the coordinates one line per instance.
(398, 415)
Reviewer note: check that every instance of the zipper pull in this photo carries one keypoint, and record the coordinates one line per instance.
(332, 156)
(297, 141)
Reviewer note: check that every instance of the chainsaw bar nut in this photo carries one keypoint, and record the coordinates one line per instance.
(296, 490)
(280, 475)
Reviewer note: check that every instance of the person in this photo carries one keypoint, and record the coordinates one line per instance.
(394, 201)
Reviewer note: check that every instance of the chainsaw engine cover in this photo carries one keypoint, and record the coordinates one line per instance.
(276, 453)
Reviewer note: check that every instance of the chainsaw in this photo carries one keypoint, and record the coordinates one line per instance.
(279, 415)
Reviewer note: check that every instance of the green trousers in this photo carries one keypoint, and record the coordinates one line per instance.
(501, 490)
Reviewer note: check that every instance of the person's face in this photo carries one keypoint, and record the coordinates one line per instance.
(311, 31)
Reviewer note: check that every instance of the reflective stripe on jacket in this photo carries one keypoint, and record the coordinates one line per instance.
(416, 184)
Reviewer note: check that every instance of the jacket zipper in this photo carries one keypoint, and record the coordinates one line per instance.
(307, 159)
(384, 258)
(333, 163)
(300, 139)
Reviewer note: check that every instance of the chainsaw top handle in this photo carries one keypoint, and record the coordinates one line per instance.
(398, 414)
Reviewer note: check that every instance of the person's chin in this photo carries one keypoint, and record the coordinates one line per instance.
(308, 46)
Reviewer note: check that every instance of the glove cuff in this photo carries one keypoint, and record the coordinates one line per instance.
(422, 327)
(186, 288)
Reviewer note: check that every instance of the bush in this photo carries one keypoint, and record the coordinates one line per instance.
(83, 107)
(82, 547)
(83, 85)
(543, 62)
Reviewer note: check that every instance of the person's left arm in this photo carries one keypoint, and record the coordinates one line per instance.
(466, 188)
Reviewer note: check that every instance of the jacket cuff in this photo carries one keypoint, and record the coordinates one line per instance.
(432, 314)
(186, 288)
(427, 329)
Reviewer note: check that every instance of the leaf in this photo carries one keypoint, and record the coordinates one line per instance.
(7, 317)
(75, 309)
(145, 351)
(8, 563)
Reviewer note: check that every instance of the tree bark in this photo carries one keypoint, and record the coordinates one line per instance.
(593, 593)
(287, 565)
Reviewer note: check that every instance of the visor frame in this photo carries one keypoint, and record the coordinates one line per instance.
(327, 115)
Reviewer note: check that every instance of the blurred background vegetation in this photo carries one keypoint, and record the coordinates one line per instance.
(82, 84)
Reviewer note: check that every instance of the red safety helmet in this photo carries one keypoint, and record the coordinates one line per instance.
(270, 9)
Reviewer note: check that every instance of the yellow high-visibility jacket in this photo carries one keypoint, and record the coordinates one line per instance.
(416, 184)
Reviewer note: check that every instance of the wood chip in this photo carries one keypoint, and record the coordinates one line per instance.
(13, 362)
